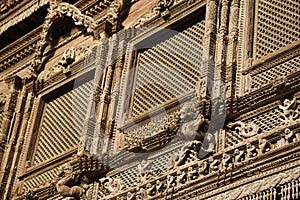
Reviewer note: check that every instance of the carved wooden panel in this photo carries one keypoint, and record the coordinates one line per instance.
(167, 70)
(277, 25)
(281, 70)
(62, 123)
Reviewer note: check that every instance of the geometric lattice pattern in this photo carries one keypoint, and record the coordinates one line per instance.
(159, 165)
(266, 121)
(62, 123)
(40, 179)
(278, 24)
(168, 69)
(281, 70)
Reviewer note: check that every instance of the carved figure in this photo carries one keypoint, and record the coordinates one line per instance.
(171, 182)
(290, 110)
(226, 161)
(290, 136)
(213, 164)
(65, 186)
(189, 153)
(239, 156)
(181, 177)
(263, 145)
(150, 189)
(251, 150)
(192, 121)
(192, 174)
(203, 167)
(113, 186)
(159, 186)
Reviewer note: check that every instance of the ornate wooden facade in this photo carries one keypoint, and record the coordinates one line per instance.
(149, 99)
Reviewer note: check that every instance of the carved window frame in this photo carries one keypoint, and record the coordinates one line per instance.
(59, 87)
(124, 121)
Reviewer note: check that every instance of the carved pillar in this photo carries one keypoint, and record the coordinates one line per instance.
(210, 27)
(222, 39)
(101, 135)
(114, 134)
(16, 145)
(245, 46)
(232, 48)
(7, 139)
(209, 45)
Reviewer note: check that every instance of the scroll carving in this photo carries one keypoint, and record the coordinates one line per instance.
(245, 129)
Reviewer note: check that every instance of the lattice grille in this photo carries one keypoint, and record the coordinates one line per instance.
(266, 121)
(40, 179)
(159, 164)
(63, 122)
(281, 70)
(278, 24)
(168, 69)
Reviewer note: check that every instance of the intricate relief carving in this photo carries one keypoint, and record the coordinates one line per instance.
(70, 56)
(188, 153)
(192, 122)
(110, 186)
(159, 126)
(58, 10)
(66, 186)
(160, 8)
(267, 185)
(288, 137)
(290, 111)
(246, 130)
(115, 11)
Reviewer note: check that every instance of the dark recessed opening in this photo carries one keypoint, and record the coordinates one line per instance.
(22, 28)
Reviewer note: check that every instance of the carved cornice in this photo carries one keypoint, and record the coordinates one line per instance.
(166, 10)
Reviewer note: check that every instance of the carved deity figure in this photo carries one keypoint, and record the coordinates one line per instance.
(226, 162)
(188, 153)
(251, 150)
(290, 136)
(290, 110)
(213, 164)
(192, 174)
(181, 177)
(65, 186)
(192, 121)
(239, 156)
(263, 145)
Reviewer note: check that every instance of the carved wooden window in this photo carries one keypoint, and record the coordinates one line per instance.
(62, 122)
(165, 72)
(277, 24)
